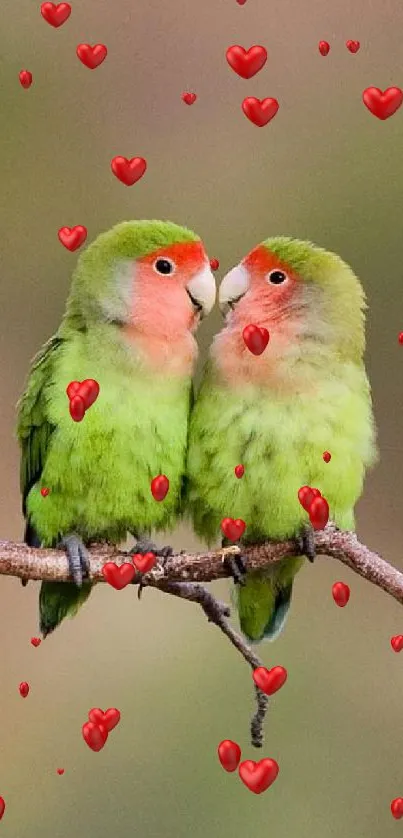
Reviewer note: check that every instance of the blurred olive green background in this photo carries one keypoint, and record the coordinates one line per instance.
(324, 169)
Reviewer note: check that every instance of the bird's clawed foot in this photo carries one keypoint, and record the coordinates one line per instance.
(77, 557)
(235, 563)
(143, 546)
(307, 541)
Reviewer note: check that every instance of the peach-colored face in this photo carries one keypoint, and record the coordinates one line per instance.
(268, 298)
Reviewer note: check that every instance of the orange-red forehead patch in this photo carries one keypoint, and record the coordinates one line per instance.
(261, 260)
(185, 255)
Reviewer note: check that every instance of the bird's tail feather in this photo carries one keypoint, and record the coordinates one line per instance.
(264, 601)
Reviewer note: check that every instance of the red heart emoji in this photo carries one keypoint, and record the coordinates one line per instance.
(319, 513)
(233, 530)
(353, 46)
(92, 57)
(229, 754)
(109, 719)
(2, 807)
(24, 689)
(306, 495)
(159, 487)
(73, 388)
(258, 776)
(88, 391)
(95, 735)
(72, 237)
(396, 808)
(55, 14)
(241, 2)
(255, 338)
(25, 78)
(246, 62)
(269, 680)
(239, 471)
(144, 563)
(260, 111)
(324, 47)
(214, 264)
(128, 171)
(117, 576)
(397, 642)
(382, 104)
(327, 456)
(44, 492)
(189, 98)
(36, 641)
(340, 594)
(60, 771)
(77, 408)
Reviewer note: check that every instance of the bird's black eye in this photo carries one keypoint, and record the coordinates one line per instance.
(164, 267)
(277, 277)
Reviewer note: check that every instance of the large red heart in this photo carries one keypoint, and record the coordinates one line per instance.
(92, 57)
(229, 754)
(319, 513)
(117, 576)
(258, 776)
(55, 14)
(128, 171)
(72, 237)
(269, 680)
(382, 104)
(260, 111)
(255, 338)
(233, 530)
(109, 719)
(144, 563)
(246, 62)
(95, 735)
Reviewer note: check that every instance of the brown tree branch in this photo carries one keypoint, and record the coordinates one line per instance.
(182, 575)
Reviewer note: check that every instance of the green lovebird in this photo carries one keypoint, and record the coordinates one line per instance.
(137, 295)
(277, 413)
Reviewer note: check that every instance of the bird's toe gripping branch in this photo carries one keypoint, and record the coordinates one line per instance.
(77, 557)
(235, 563)
(307, 542)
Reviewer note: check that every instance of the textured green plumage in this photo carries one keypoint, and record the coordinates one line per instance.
(280, 437)
(98, 471)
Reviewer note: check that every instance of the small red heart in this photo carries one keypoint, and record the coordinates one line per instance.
(24, 689)
(25, 78)
(95, 735)
(396, 807)
(77, 408)
(36, 641)
(128, 171)
(45, 491)
(144, 563)
(255, 338)
(214, 264)
(258, 776)
(109, 719)
(241, 2)
(60, 771)
(397, 642)
(382, 104)
(239, 471)
(324, 47)
(56, 14)
(246, 62)
(118, 576)
(2, 807)
(260, 111)
(229, 754)
(400, 337)
(353, 46)
(92, 57)
(269, 680)
(327, 456)
(341, 594)
(319, 513)
(72, 237)
(89, 391)
(189, 98)
(159, 487)
(306, 495)
(233, 530)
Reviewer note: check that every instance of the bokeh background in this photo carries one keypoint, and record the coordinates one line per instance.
(325, 169)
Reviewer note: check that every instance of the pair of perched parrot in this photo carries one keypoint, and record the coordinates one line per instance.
(137, 296)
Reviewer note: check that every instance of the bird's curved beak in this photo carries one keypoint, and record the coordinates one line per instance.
(233, 287)
(202, 291)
